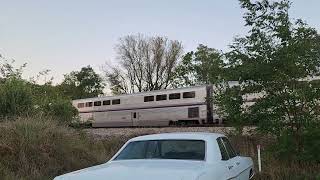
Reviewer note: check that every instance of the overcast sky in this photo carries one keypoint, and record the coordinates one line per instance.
(65, 35)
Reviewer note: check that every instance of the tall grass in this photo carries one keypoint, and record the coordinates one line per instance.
(39, 148)
(272, 167)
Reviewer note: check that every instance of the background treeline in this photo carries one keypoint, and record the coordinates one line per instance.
(23, 98)
(278, 60)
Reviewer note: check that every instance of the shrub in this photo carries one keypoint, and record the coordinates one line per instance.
(59, 108)
(274, 168)
(15, 98)
(311, 145)
(20, 98)
(50, 101)
(286, 147)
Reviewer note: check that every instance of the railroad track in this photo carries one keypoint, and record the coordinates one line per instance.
(89, 126)
(171, 126)
(128, 132)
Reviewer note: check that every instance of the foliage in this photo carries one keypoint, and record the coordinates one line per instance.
(231, 104)
(39, 148)
(7, 69)
(85, 83)
(276, 60)
(50, 101)
(145, 64)
(26, 155)
(59, 108)
(310, 142)
(15, 98)
(204, 66)
(19, 97)
(273, 168)
(311, 145)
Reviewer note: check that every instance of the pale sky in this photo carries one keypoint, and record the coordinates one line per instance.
(65, 35)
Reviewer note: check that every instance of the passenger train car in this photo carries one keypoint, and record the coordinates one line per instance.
(182, 106)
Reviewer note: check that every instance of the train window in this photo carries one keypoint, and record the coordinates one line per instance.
(88, 104)
(134, 115)
(106, 102)
(193, 112)
(115, 101)
(80, 105)
(148, 98)
(161, 97)
(97, 103)
(174, 96)
(190, 94)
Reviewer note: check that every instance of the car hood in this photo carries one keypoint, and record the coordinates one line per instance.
(139, 170)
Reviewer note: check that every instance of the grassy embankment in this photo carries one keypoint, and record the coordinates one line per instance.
(39, 149)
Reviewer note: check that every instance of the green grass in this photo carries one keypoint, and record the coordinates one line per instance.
(39, 149)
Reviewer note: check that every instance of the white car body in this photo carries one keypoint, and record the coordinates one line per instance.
(212, 167)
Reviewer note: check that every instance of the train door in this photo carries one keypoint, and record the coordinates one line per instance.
(135, 118)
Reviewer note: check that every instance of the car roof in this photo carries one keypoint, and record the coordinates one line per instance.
(179, 135)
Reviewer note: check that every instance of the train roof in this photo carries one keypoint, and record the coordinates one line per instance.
(146, 92)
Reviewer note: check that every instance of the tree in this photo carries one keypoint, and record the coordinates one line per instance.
(7, 69)
(231, 105)
(277, 59)
(85, 83)
(204, 66)
(145, 64)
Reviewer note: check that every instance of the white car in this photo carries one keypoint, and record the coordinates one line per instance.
(171, 156)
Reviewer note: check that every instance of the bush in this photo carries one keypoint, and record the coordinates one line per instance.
(15, 98)
(20, 98)
(286, 148)
(40, 148)
(274, 168)
(311, 145)
(59, 108)
(50, 101)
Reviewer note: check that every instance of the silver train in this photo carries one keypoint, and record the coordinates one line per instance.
(182, 106)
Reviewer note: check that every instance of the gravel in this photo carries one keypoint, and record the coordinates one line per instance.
(106, 133)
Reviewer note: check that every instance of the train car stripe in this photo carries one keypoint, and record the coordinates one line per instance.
(152, 107)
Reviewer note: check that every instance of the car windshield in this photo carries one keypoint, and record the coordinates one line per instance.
(164, 149)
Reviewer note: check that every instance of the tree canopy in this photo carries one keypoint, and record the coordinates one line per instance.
(145, 64)
(85, 83)
(277, 59)
(203, 66)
